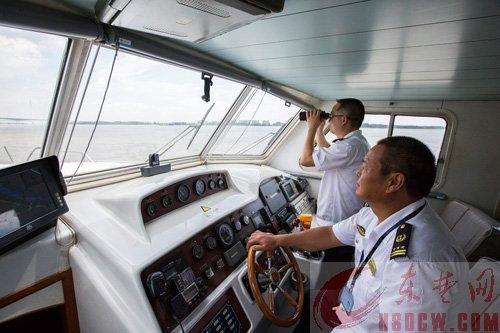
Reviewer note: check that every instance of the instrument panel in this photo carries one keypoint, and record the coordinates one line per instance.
(177, 282)
(181, 194)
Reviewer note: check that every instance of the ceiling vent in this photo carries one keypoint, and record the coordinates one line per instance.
(189, 20)
(204, 7)
(165, 31)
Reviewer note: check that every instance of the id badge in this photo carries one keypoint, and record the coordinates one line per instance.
(346, 299)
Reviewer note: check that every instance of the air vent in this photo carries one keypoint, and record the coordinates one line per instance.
(204, 7)
(165, 31)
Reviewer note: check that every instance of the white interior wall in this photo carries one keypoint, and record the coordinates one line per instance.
(473, 174)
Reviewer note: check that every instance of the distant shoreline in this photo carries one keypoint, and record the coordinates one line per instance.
(241, 123)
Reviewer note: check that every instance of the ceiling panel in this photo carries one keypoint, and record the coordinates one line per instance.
(367, 16)
(443, 33)
(379, 49)
(417, 53)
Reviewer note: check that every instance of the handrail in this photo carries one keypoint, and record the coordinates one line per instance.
(176, 139)
(255, 143)
(81, 154)
(69, 151)
(8, 154)
(199, 126)
(32, 152)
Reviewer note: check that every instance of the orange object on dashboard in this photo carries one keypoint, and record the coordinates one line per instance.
(305, 220)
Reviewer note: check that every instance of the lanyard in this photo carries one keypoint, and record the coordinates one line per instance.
(357, 271)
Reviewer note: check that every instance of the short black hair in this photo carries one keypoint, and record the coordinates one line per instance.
(412, 158)
(355, 110)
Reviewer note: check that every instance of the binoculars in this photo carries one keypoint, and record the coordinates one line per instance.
(322, 115)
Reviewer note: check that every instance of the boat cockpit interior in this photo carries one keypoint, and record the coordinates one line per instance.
(142, 143)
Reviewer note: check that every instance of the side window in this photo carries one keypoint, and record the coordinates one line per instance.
(255, 126)
(374, 128)
(30, 65)
(429, 130)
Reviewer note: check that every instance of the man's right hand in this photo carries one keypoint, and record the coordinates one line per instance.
(263, 241)
(314, 120)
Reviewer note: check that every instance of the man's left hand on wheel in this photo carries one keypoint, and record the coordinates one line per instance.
(262, 241)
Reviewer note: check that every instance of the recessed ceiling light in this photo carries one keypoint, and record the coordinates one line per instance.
(183, 21)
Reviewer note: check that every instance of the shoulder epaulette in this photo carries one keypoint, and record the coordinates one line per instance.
(401, 241)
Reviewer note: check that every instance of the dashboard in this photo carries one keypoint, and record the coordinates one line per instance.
(182, 261)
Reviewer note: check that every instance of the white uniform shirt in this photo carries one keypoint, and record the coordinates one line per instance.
(429, 281)
(337, 199)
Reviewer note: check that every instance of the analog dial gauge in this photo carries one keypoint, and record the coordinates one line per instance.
(200, 187)
(211, 184)
(220, 182)
(211, 243)
(183, 193)
(225, 234)
(151, 209)
(166, 201)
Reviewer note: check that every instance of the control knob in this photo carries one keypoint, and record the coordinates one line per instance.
(245, 219)
(211, 242)
(197, 251)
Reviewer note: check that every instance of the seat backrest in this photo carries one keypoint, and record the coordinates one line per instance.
(484, 289)
(469, 225)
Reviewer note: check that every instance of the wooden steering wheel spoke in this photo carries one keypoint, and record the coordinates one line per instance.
(269, 307)
(285, 268)
(270, 298)
(288, 297)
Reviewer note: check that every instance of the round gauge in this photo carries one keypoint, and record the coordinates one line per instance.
(151, 209)
(225, 234)
(197, 251)
(237, 225)
(221, 182)
(200, 187)
(183, 193)
(166, 201)
(211, 243)
(211, 184)
(245, 220)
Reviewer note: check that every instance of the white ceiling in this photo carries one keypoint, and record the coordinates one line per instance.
(377, 50)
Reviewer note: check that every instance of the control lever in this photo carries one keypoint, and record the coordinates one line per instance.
(263, 227)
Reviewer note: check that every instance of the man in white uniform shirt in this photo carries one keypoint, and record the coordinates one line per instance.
(339, 160)
(410, 273)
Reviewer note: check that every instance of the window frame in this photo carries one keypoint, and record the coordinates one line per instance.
(443, 160)
(208, 157)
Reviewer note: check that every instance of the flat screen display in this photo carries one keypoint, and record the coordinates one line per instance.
(24, 197)
(272, 196)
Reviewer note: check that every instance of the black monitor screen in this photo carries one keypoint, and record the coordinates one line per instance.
(24, 197)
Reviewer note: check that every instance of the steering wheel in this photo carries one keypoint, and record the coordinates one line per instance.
(275, 276)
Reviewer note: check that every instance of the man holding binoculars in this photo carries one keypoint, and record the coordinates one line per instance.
(339, 160)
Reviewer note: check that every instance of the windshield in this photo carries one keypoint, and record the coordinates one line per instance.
(254, 127)
(150, 107)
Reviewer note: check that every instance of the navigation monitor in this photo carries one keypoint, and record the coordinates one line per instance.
(272, 196)
(31, 199)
